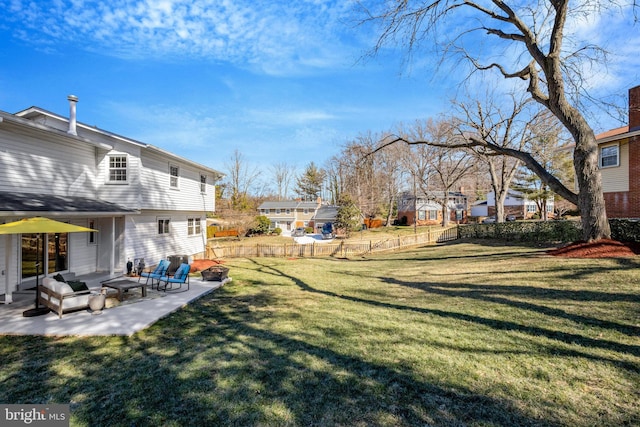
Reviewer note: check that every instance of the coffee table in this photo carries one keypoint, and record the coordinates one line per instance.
(124, 285)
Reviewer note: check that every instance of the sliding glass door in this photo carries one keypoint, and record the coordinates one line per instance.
(34, 249)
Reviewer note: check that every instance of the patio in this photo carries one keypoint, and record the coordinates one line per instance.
(134, 315)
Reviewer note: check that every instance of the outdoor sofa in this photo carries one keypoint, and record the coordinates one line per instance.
(61, 297)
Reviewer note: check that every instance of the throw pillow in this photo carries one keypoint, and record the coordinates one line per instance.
(78, 286)
(58, 277)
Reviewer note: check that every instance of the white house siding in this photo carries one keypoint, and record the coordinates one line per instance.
(616, 178)
(83, 257)
(127, 195)
(158, 194)
(61, 167)
(143, 240)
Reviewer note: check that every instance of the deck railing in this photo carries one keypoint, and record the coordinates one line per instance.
(340, 249)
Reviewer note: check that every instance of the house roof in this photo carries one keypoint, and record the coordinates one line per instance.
(327, 212)
(288, 204)
(616, 134)
(27, 116)
(24, 204)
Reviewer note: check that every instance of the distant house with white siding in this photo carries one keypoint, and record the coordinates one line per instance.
(145, 202)
(289, 214)
(514, 204)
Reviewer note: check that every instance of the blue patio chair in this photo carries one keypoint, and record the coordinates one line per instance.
(157, 273)
(180, 277)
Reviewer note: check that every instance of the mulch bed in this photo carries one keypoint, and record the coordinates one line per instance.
(604, 248)
(203, 264)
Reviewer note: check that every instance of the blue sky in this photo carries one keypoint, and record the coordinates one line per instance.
(276, 80)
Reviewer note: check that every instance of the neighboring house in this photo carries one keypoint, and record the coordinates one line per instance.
(144, 201)
(325, 214)
(429, 210)
(289, 214)
(514, 204)
(619, 162)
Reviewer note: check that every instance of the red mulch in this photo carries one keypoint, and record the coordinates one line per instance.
(604, 248)
(203, 264)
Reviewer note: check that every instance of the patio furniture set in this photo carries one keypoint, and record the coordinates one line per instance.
(62, 296)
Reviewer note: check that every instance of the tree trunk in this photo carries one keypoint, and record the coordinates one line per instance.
(445, 210)
(499, 202)
(590, 196)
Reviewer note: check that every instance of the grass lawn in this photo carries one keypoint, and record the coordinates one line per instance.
(461, 334)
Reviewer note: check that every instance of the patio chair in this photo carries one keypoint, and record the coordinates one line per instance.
(180, 277)
(157, 273)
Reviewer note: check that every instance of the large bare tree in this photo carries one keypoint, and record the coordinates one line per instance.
(500, 124)
(283, 174)
(241, 178)
(438, 167)
(535, 51)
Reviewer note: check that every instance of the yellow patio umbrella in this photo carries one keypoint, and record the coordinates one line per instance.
(39, 225)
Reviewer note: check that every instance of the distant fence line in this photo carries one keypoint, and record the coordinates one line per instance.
(329, 249)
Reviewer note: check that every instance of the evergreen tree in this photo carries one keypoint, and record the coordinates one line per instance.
(348, 218)
(309, 183)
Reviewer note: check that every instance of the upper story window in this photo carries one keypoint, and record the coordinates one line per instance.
(287, 211)
(117, 168)
(174, 171)
(277, 211)
(609, 156)
(305, 211)
(193, 227)
(203, 183)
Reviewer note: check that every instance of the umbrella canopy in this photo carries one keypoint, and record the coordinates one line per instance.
(40, 225)
(37, 225)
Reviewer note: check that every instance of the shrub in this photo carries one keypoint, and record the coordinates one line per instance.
(625, 230)
(277, 231)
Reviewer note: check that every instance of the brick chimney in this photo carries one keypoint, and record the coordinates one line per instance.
(73, 100)
(634, 108)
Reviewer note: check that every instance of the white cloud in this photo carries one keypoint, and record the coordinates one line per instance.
(274, 37)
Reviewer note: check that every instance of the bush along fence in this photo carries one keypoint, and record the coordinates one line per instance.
(330, 249)
(565, 231)
(525, 231)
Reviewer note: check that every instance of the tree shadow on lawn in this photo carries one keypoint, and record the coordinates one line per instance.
(565, 337)
(320, 386)
(226, 372)
(491, 293)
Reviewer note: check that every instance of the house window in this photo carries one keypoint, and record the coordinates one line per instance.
(609, 156)
(422, 215)
(305, 211)
(117, 168)
(173, 176)
(277, 211)
(532, 208)
(193, 227)
(91, 236)
(203, 183)
(288, 211)
(163, 226)
(433, 214)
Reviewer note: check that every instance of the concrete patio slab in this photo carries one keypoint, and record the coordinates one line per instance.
(121, 320)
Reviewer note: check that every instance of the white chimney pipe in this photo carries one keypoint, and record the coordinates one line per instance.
(72, 114)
